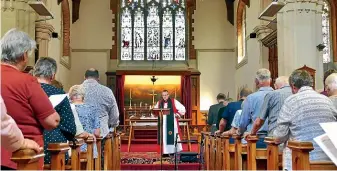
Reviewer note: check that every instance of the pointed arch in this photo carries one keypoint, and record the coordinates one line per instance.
(333, 33)
(240, 28)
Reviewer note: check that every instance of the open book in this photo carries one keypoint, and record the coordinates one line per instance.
(328, 141)
(57, 99)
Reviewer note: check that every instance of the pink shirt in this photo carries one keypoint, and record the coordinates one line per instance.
(11, 135)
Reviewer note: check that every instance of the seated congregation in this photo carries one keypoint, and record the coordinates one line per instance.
(77, 131)
(272, 129)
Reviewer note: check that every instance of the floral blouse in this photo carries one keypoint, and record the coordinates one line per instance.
(89, 117)
(66, 129)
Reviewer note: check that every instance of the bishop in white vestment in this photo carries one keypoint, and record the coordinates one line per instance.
(170, 123)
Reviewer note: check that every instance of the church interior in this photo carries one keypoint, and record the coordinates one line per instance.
(194, 49)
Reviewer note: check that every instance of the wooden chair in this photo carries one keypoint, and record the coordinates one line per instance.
(58, 157)
(256, 157)
(274, 156)
(27, 159)
(300, 157)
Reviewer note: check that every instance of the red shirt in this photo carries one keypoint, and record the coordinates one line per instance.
(26, 103)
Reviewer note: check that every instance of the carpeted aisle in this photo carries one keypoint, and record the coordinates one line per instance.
(145, 157)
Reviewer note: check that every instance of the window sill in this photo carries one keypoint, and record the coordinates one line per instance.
(242, 63)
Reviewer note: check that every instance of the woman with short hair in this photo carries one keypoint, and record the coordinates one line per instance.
(45, 70)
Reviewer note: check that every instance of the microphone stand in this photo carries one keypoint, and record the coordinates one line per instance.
(175, 152)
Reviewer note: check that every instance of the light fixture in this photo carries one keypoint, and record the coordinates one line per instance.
(269, 13)
(153, 79)
(41, 10)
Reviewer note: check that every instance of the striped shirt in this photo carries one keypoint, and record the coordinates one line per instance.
(299, 120)
(273, 101)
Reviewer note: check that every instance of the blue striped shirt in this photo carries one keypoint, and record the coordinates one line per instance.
(272, 105)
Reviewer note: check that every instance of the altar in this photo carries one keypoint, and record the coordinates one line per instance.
(150, 123)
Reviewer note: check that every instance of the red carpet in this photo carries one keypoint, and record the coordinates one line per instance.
(145, 156)
(151, 147)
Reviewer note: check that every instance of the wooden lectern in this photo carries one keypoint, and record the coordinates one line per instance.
(159, 112)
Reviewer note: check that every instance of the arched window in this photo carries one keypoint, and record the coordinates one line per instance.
(326, 29)
(241, 32)
(153, 30)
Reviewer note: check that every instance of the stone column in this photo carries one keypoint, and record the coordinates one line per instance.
(299, 32)
(18, 14)
(43, 35)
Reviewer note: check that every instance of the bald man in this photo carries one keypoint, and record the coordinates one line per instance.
(272, 105)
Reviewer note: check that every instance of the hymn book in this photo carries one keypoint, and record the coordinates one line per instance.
(328, 141)
(57, 99)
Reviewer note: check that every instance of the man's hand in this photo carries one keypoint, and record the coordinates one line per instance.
(84, 135)
(30, 144)
(217, 132)
(226, 133)
(246, 134)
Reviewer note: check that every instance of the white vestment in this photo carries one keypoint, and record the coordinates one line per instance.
(169, 149)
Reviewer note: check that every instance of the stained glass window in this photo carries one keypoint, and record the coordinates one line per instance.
(326, 33)
(153, 30)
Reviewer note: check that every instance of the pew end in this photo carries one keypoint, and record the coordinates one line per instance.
(300, 157)
(58, 158)
(27, 159)
(274, 156)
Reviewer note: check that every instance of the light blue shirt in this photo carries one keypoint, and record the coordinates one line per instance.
(252, 109)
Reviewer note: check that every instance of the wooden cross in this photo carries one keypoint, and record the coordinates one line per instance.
(153, 96)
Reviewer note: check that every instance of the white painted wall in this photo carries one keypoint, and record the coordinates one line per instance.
(91, 40)
(217, 76)
(214, 40)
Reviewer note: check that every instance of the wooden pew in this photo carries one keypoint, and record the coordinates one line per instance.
(300, 157)
(108, 152)
(75, 162)
(228, 153)
(99, 152)
(116, 155)
(212, 152)
(87, 157)
(206, 137)
(27, 159)
(218, 153)
(240, 163)
(274, 156)
(58, 158)
(256, 157)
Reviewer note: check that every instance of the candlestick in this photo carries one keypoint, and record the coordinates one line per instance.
(130, 100)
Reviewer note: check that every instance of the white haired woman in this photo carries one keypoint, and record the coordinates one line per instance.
(88, 114)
